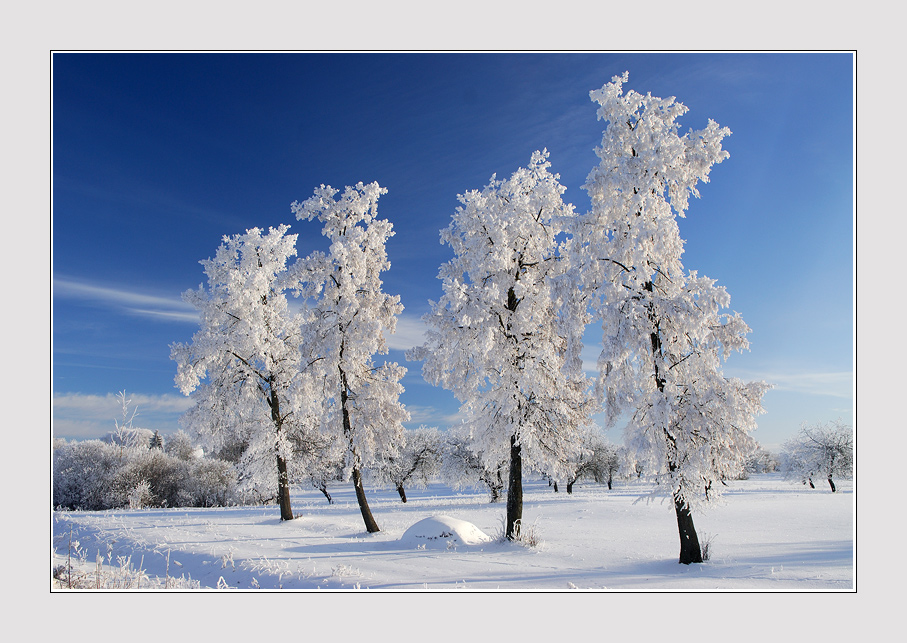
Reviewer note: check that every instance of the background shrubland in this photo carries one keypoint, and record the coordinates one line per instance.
(105, 474)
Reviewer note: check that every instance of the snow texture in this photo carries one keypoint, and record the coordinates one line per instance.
(770, 535)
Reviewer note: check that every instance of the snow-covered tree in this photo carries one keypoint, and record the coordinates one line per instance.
(502, 338)
(156, 441)
(352, 316)
(820, 450)
(244, 367)
(665, 334)
(318, 460)
(462, 466)
(416, 464)
(762, 461)
(599, 460)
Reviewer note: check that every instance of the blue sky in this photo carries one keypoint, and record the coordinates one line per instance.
(157, 156)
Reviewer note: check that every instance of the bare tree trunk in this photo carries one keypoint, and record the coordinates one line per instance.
(283, 478)
(690, 550)
(283, 490)
(514, 490)
(402, 492)
(495, 489)
(323, 489)
(831, 484)
(370, 525)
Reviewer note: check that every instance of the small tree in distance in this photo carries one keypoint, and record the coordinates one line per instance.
(820, 450)
(462, 466)
(417, 462)
(599, 461)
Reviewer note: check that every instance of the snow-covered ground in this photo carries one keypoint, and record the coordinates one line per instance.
(769, 534)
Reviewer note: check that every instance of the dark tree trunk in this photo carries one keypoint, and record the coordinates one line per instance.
(514, 491)
(323, 489)
(402, 492)
(495, 489)
(609, 481)
(495, 484)
(370, 525)
(283, 490)
(283, 478)
(690, 551)
(831, 484)
(555, 487)
(811, 485)
(570, 486)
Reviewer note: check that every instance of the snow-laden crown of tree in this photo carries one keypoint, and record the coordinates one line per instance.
(664, 335)
(351, 316)
(245, 366)
(501, 338)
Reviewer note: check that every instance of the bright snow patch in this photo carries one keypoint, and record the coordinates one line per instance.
(444, 529)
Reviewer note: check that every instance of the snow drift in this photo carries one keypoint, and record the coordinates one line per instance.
(443, 530)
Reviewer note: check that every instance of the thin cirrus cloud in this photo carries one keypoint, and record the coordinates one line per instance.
(81, 416)
(410, 332)
(153, 306)
(832, 383)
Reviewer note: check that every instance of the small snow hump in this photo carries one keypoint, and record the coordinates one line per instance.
(443, 530)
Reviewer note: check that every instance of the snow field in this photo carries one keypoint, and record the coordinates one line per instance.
(770, 534)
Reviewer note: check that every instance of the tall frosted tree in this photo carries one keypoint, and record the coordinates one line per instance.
(352, 316)
(501, 338)
(665, 332)
(244, 367)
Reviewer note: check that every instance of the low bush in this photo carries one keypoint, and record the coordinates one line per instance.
(96, 475)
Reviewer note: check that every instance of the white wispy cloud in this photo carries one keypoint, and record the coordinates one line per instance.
(129, 301)
(78, 415)
(430, 416)
(410, 332)
(830, 383)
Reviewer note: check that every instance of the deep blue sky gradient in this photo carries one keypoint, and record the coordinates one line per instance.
(157, 156)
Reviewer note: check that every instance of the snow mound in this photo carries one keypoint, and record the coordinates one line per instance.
(442, 530)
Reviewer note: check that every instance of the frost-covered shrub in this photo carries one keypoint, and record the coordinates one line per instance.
(179, 445)
(96, 475)
(82, 474)
(212, 483)
(141, 496)
(165, 475)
